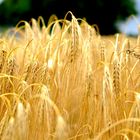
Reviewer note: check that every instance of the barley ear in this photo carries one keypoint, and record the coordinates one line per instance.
(61, 129)
(75, 39)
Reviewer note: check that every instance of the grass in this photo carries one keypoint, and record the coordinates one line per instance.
(68, 83)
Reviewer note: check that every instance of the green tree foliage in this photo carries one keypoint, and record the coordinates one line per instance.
(104, 13)
(12, 10)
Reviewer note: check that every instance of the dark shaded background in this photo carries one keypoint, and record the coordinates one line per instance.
(104, 13)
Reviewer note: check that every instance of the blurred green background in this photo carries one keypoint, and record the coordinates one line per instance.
(104, 13)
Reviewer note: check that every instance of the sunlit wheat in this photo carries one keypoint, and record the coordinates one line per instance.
(64, 81)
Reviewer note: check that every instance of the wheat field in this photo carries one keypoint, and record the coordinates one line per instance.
(64, 81)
